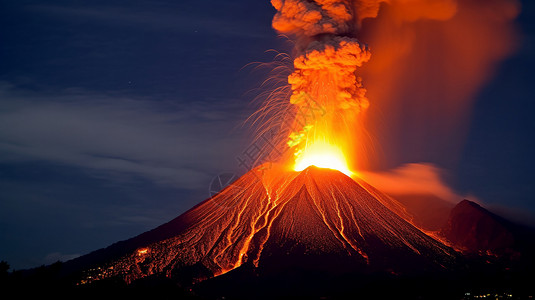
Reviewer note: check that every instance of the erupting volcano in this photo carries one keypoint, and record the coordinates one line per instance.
(305, 210)
(317, 218)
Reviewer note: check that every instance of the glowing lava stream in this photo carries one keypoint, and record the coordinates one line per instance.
(277, 215)
(322, 155)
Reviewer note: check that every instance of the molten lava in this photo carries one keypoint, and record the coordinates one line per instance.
(323, 155)
(316, 218)
(142, 251)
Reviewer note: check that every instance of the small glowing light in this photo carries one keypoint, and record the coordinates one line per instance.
(142, 251)
(322, 155)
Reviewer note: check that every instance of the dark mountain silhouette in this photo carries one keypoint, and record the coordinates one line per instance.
(473, 228)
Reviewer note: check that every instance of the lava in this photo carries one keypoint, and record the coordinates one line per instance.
(323, 155)
(316, 213)
(142, 251)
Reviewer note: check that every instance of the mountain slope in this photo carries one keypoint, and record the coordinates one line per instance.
(473, 228)
(428, 211)
(316, 219)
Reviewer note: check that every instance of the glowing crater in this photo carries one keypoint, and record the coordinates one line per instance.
(322, 155)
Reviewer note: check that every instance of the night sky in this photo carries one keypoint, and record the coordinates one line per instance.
(115, 116)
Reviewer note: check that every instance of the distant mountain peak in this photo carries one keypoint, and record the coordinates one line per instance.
(472, 228)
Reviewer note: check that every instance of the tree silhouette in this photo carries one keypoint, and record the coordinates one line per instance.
(4, 267)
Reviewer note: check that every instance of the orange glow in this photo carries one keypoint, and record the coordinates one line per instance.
(143, 251)
(430, 49)
(322, 155)
(327, 96)
(419, 47)
(329, 102)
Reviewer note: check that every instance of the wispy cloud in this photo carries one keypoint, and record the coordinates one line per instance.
(173, 144)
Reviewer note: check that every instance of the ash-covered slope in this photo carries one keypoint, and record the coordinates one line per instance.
(317, 219)
(325, 212)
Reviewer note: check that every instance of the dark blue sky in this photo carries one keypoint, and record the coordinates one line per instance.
(497, 163)
(116, 115)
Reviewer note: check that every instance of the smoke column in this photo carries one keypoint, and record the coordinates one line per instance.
(430, 57)
(327, 95)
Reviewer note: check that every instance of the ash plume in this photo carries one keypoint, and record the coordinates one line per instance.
(430, 58)
(430, 61)
(325, 66)
(312, 18)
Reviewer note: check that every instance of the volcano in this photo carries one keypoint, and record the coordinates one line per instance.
(275, 222)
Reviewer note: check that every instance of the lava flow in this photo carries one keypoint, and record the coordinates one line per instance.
(286, 219)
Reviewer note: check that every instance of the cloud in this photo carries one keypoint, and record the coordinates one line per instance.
(413, 179)
(179, 144)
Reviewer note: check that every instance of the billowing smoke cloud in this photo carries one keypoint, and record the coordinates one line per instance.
(430, 58)
(325, 68)
(311, 18)
(336, 61)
